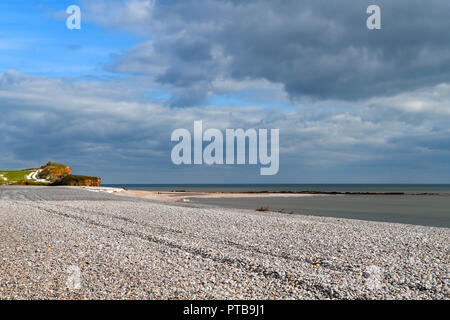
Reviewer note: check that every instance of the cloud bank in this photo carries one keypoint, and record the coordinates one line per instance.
(48, 119)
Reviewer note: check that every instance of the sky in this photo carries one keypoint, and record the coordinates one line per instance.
(353, 105)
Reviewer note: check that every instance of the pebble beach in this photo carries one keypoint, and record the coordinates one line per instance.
(122, 247)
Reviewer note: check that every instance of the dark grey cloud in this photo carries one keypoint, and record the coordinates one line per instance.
(314, 48)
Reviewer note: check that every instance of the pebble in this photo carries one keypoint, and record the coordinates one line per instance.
(127, 248)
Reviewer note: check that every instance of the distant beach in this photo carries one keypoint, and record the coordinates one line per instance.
(413, 188)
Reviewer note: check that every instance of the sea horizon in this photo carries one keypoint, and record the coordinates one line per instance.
(260, 187)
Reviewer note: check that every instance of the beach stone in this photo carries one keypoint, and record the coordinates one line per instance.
(129, 248)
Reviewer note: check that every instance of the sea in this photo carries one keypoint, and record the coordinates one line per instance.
(422, 204)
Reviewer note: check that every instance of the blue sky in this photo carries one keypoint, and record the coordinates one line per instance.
(352, 105)
(34, 40)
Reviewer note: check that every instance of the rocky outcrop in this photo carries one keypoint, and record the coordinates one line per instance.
(74, 180)
(61, 175)
(54, 171)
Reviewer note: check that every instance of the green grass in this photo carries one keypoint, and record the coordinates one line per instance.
(14, 176)
(49, 174)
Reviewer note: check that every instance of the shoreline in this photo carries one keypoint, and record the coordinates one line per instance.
(180, 196)
(423, 209)
(413, 209)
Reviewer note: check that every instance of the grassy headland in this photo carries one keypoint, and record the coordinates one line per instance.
(50, 174)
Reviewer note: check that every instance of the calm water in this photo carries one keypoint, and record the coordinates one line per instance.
(445, 188)
(421, 210)
(428, 210)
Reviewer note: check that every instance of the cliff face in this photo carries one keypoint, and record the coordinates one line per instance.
(74, 180)
(61, 175)
(93, 182)
(54, 171)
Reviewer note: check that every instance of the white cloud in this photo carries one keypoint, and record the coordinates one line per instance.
(91, 121)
